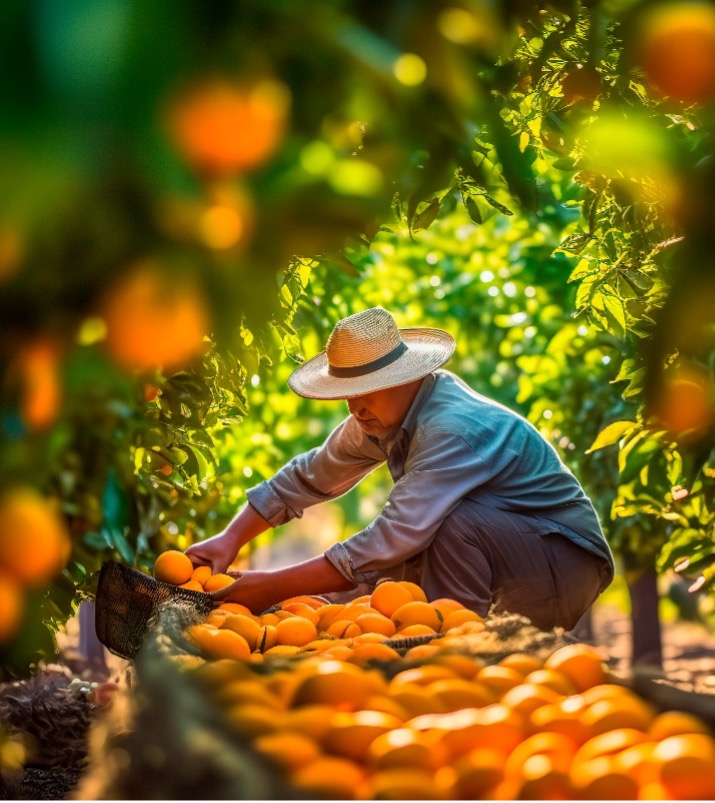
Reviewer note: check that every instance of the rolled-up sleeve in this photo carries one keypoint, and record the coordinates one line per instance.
(323, 473)
(442, 471)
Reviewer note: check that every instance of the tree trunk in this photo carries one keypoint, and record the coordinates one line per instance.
(646, 642)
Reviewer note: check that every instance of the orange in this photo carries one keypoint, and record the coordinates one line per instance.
(252, 719)
(674, 723)
(281, 650)
(422, 675)
(465, 666)
(300, 609)
(216, 618)
(609, 743)
(267, 638)
(351, 733)
(499, 678)
(375, 623)
(458, 693)
(368, 638)
(389, 596)
(330, 777)
(245, 626)
(627, 711)
(192, 585)
(604, 691)
(386, 703)
(296, 631)
(225, 671)
(312, 721)
(340, 653)
(226, 644)
(34, 542)
(554, 745)
(423, 652)
(446, 606)
(344, 628)
(12, 603)
(329, 614)
(218, 581)
(222, 128)
(288, 750)
(268, 619)
(404, 747)
(363, 653)
(475, 774)
(544, 776)
(685, 766)
(247, 691)
(676, 47)
(312, 602)
(235, 607)
(457, 618)
(414, 590)
(522, 662)
(174, 567)
(557, 718)
(154, 319)
(415, 630)
(637, 761)
(581, 664)
(416, 700)
(337, 683)
(322, 644)
(552, 680)
(527, 698)
(404, 783)
(201, 574)
(416, 613)
(602, 779)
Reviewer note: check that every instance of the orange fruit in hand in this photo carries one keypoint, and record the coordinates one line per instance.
(173, 567)
(581, 664)
(218, 581)
(34, 543)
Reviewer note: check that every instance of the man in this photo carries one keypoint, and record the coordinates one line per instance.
(482, 510)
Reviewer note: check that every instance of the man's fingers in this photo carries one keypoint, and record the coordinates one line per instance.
(224, 592)
(234, 573)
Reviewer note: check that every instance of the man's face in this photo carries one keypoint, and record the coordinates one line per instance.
(380, 413)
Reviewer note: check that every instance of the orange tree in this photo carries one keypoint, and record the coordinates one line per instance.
(157, 184)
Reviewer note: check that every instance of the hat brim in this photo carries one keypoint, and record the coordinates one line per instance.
(427, 350)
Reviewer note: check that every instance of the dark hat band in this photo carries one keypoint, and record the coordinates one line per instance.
(369, 367)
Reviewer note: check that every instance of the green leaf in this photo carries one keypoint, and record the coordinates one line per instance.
(611, 434)
(427, 216)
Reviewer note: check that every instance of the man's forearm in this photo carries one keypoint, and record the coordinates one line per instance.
(245, 526)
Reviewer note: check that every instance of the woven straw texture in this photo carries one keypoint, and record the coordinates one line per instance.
(361, 339)
(127, 600)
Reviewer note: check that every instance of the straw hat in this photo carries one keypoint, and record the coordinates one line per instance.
(367, 352)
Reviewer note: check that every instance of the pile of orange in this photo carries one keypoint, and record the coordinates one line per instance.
(34, 547)
(322, 694)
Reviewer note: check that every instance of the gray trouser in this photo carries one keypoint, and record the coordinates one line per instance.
(482, 556)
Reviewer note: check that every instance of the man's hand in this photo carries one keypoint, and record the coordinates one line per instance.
(258, 590)
(217, 552)
(255, 589)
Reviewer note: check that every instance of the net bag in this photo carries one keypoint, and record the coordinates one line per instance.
(126, 601)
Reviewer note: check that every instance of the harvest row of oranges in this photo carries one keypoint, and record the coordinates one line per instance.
(346, 717)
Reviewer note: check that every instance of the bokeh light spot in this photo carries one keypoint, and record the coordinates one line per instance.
(356, 177)
(410, 69)
(221, 227)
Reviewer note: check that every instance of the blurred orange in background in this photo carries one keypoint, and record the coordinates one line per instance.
(676, 48)
(40, 365)
(222, 128)
(154, 320)
(686, 402)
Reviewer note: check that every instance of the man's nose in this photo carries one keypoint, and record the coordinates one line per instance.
(356, 406)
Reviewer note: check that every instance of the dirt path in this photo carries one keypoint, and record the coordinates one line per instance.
(688, 649)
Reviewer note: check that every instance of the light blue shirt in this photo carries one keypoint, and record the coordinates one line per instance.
(459, 445)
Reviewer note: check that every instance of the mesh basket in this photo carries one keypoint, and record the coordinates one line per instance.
(126, 601)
